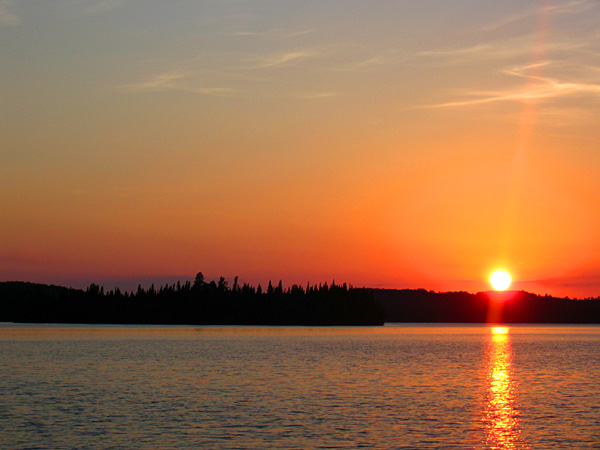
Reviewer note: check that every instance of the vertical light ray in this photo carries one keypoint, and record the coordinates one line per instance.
(525, 133)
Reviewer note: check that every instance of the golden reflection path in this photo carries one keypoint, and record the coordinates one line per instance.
(501, 415)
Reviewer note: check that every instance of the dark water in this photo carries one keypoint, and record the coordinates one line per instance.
(427, 387)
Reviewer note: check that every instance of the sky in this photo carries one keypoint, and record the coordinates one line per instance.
(406, 144)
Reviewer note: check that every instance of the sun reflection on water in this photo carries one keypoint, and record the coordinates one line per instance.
(501, 416)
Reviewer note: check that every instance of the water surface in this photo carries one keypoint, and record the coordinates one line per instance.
(398, 386)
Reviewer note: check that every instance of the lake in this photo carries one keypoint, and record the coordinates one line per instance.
(394, 387)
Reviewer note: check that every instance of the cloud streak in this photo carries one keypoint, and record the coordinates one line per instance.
(177, 80)
(318, 95)
(284, 59)
(539, 88)
(569, 7)
(162, 82)
(473, 50)
(205, 74)
(268, 33)
(505, 50)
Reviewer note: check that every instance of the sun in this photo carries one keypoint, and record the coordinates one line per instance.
(500, 280)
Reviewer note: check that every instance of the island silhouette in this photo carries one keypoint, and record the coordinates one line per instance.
(216, 303)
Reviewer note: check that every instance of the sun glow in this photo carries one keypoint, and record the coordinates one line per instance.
(500, 330)
(500, 280)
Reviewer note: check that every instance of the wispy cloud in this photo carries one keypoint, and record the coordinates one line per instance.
(268, 33)
(454, 52)
(540, 87)
(520, 71)
(566, 72)
(177, 80)
(284, 59)
(248, 33)
(379, 60)
(300, 33)
(318, 95)
(505, 50)
(360, 58)
(8, 17)
(226, 74)
(161, 82)
(216, 91)
(560, 8)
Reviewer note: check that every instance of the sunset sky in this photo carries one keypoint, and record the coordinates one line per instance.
(385, 144)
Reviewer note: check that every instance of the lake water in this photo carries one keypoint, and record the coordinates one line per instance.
(393, 387)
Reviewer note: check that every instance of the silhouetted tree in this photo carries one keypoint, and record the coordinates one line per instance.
(198, 281)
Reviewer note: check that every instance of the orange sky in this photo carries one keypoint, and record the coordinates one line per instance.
(386, 145)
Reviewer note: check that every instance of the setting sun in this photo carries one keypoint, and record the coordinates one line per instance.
(500, 280)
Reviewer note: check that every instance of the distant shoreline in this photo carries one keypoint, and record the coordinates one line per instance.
(200, 303)
(419, 305)
(214, 303)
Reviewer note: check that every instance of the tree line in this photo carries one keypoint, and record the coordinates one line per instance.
(199, 303)
(203, 302)
(420, 305)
